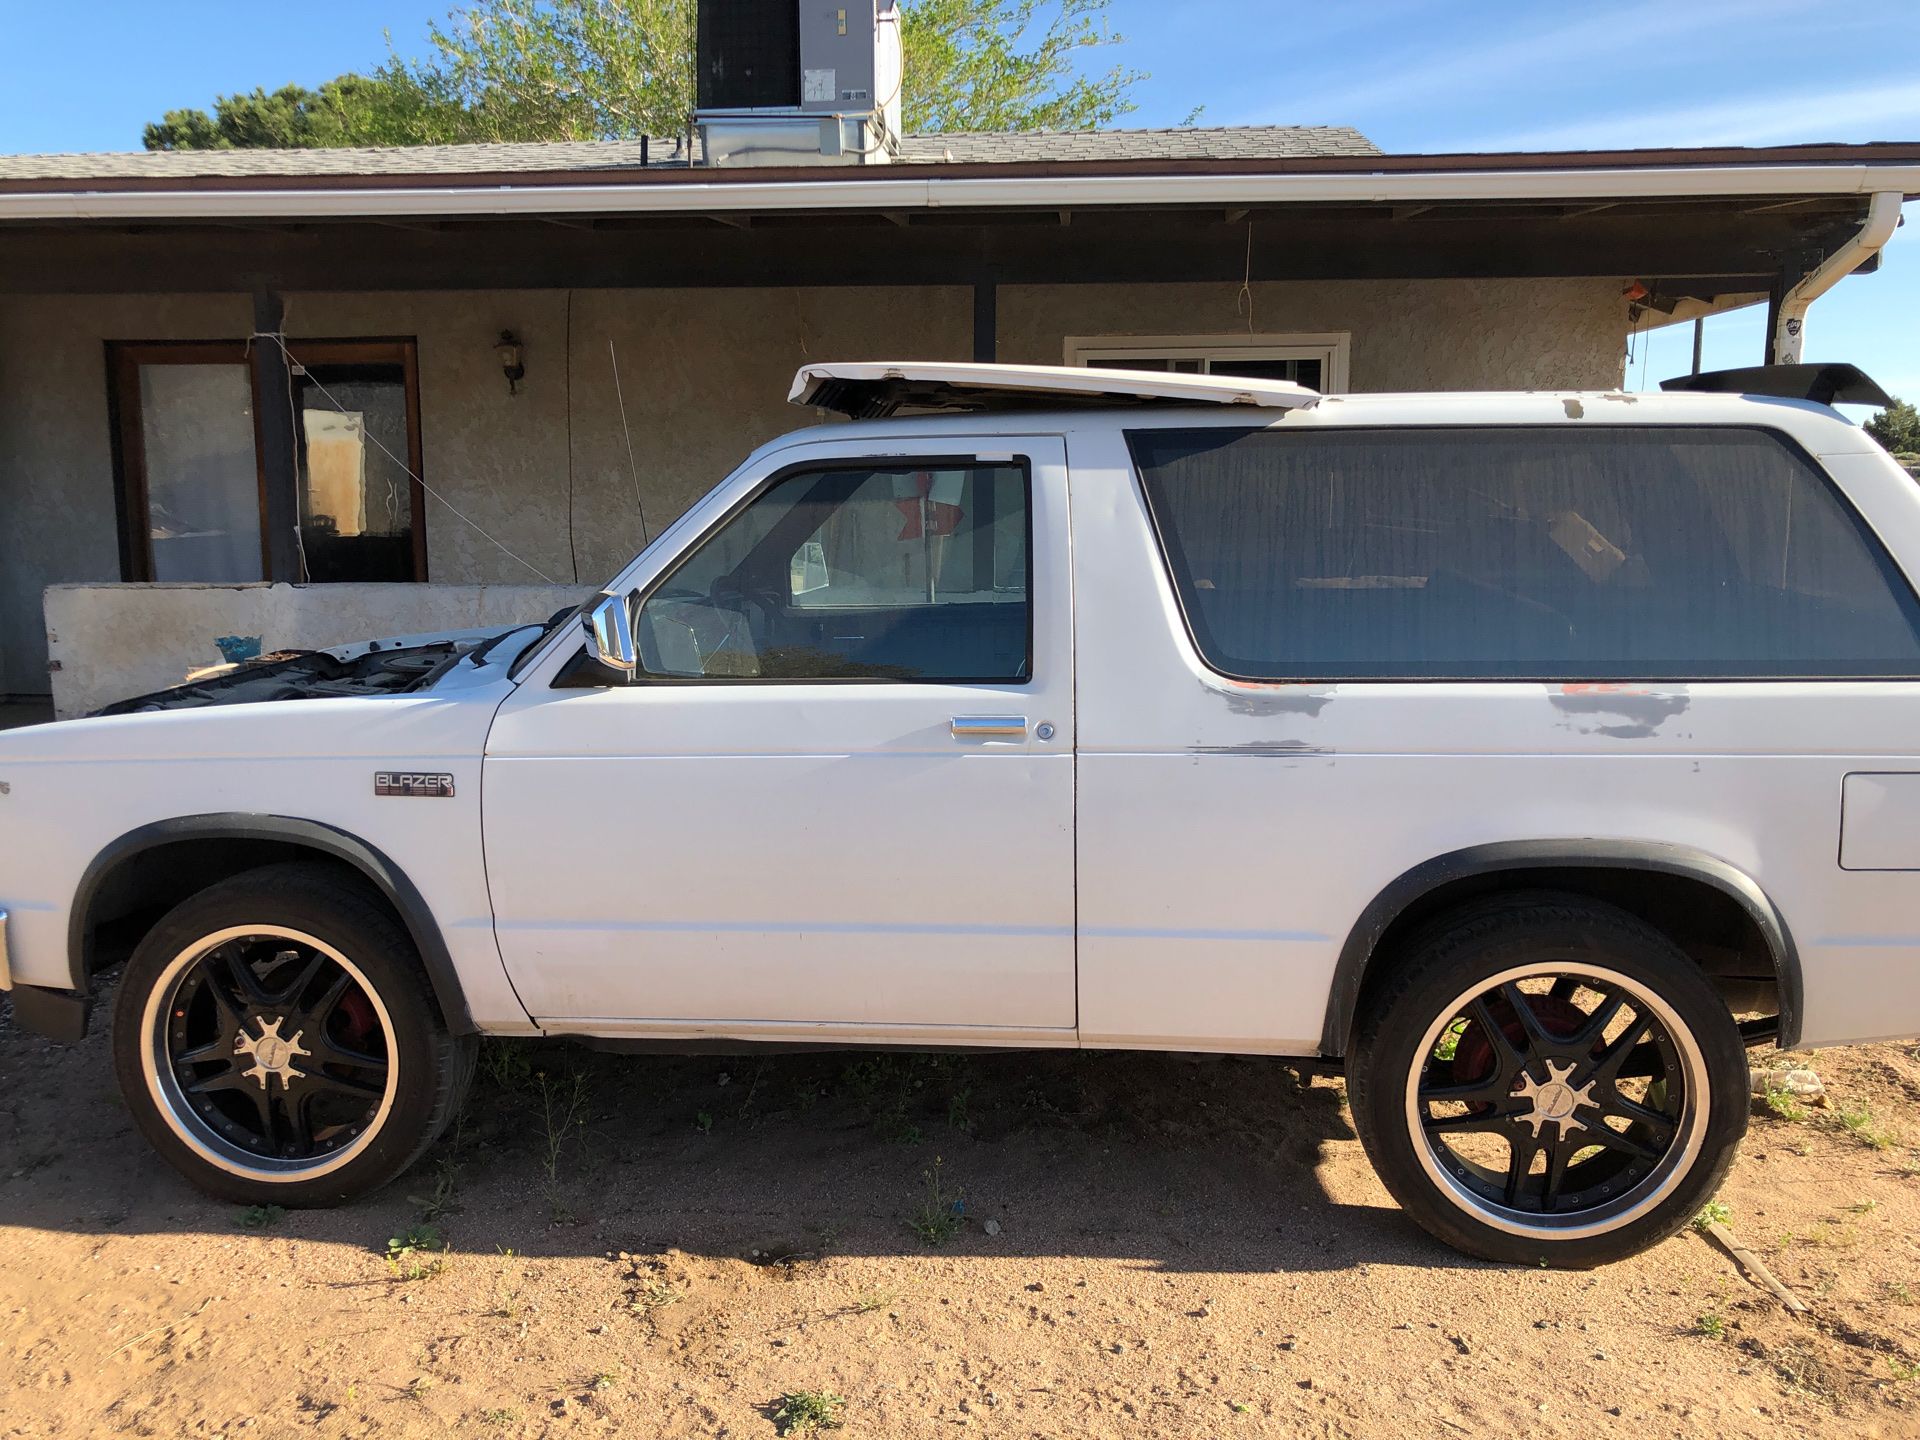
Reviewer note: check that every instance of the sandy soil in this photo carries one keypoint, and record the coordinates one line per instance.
(1109, 1245)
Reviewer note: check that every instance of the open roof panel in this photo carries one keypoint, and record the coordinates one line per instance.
(871, 390)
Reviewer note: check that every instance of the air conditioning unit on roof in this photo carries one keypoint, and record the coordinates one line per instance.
(798, 82)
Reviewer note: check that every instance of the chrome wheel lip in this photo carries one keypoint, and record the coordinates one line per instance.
(1673, 1167)
(163, 1086)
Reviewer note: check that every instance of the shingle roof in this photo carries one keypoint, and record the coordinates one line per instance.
(1247, 142)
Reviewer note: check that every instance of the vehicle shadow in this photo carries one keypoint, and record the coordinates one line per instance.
(1180, 1163)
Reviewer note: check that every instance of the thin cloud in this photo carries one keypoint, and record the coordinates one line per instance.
(1842, 113)
(1395, 82)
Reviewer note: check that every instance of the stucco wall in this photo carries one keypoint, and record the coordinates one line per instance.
(1406, 334)
(704, 375)
(56, 466)
(116, 641)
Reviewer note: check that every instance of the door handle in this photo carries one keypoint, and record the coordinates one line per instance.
(983, 727)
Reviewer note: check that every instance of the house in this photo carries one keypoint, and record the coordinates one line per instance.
(255, 398)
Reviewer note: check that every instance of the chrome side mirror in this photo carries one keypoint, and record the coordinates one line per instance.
(609, 624)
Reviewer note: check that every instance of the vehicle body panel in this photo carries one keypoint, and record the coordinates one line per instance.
(78, 786)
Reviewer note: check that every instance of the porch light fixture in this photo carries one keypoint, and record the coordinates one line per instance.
(512, 360)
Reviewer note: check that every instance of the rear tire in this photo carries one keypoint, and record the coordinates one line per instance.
(1548, 1080)
(277, 1041)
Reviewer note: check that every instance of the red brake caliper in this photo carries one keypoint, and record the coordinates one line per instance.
(1473, 1058)
(356, 1011)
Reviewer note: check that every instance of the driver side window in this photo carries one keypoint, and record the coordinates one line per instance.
(904, 572)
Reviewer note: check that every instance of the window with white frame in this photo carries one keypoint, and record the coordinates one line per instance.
(1318, 362)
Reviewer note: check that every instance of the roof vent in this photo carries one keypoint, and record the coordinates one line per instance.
(798, 82)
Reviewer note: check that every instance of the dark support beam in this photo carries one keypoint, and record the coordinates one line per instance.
(274, 423)
(986, 318)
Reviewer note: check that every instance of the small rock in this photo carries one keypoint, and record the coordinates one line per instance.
(992, 1227)
(1797, 1081)
(1037, 1288)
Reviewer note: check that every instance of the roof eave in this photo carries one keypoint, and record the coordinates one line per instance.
(889, 191)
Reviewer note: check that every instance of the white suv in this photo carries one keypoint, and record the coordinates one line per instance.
(1527, 755)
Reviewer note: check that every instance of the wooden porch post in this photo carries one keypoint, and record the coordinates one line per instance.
(274, 423)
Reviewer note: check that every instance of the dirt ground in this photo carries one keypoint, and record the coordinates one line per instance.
(1054, 1245)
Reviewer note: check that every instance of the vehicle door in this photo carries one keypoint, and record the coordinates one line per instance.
(838, 793)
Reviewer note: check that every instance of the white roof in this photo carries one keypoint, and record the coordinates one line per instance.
(875, 388)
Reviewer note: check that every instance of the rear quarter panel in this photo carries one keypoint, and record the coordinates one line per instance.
(1231, 834)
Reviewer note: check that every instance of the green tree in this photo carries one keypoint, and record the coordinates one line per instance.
(1008, 65)
(381, 109)
(1897, 427)
(612, 69)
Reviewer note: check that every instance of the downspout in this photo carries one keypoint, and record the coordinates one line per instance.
(1789, 328)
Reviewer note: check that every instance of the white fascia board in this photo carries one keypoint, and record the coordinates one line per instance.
(1012, 192)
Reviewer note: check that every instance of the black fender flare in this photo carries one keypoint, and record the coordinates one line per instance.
(1683, 860)
(323, 839)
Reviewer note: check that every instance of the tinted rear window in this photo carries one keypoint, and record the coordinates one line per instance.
(1541, 553)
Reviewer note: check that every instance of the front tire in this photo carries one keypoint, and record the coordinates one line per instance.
(277, 1042)
(1549, 1080)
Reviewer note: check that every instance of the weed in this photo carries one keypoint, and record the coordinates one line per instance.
(1449, 1043)
(416, 1253)
(261, 1217)
(438, 1203)
(703, 1122)
(501, 1416)
(941, 1215)
(802, 1412)
(1239, 1407)
(1898, 1292)
(507, 1063)
(1710, 1325)
(872, 1300)
(1862, 1207)
(1858, 1122)
(417, 1388)
(653, 1295)
(959, 1110)
(563, 1114)
(1712, 1213)
(1904, 1370)
(1783, 1104)
(605, 1380)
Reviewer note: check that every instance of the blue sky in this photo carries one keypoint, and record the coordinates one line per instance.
(1413, 74)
